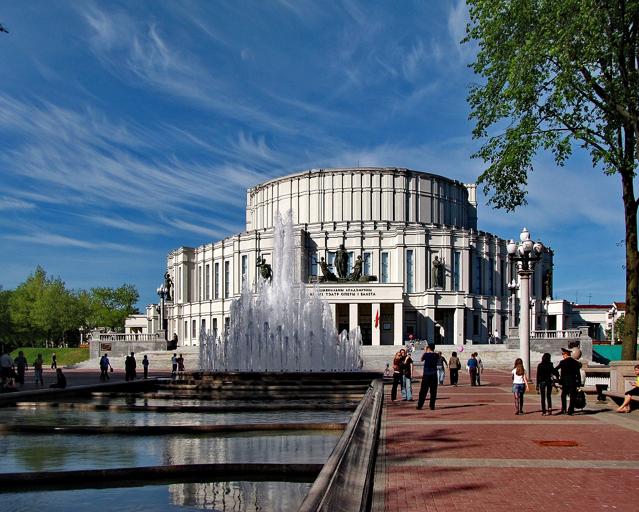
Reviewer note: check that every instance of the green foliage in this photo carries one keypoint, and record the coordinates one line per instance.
(64, 356)
(42, 311)
(559, 74)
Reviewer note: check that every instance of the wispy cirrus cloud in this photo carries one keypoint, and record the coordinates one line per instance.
(49, 239)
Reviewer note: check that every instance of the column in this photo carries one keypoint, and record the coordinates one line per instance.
(459, 326)
(430, 325)
(333, 314)
(353, 316)
(524, 318)
(376, 330)
(398, 323)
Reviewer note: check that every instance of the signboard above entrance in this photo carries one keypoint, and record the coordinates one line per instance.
(363, 293)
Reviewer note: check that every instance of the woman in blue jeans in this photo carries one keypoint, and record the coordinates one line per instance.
(406, 367)
(520, 385)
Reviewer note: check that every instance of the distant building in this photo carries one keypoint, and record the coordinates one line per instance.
(402, 223)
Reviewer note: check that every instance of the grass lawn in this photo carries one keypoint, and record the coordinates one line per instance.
(65, 356)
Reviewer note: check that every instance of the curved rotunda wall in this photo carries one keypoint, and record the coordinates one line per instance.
(373, 194)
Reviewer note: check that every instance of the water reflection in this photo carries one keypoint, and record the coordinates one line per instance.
(218, 496)
(70, 452)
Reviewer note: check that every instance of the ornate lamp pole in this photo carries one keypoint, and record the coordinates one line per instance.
(524, 254)
(163, 294)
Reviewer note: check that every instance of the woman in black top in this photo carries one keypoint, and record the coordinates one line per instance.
(545, 372)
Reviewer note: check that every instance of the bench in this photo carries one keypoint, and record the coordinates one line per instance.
(619, 397)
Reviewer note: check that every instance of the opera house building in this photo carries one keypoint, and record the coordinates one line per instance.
(413, 263)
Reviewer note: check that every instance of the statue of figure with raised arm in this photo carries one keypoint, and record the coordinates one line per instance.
(168, 284)
(326, 271)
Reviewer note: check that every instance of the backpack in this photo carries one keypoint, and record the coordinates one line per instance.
(580, 399)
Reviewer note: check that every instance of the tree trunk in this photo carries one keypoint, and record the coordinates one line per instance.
(629, 347)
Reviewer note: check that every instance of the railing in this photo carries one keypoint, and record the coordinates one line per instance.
(128, 337)
(549, 335)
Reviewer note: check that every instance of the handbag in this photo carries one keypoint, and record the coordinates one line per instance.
(580, 399)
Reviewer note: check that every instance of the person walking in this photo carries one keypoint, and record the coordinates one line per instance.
(174, 364)
(570, 378)
(441, 372)
(480, 368)
(453, 367)
(472, 366)
(406, 367)
(54, 362)
(37, 371)
(105, 364)
(145, 365)
(397, 373)
(545, 373)
(180, 362)
(21, 367)
(6, 367)
(429, 377)
(520, 385)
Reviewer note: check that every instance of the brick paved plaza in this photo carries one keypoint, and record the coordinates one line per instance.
(474, 453)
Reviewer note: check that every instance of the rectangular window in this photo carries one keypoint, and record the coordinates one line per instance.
(491, 276)
(203, 327)
(186, 329)
(180, 283)
(456, 270)
(200, 283)
(214, 328)
(244, 268)
(217, 281)
(193, 329)
(312, 263)
(368, 262)
(227, 279)
(207, 282)
(477, 275)
(489, 325)
(227, 325)
(385, 277)
(476, 324)
(331, 261)
(409, 271)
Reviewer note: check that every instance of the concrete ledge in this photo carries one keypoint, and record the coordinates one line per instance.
(159, 430)
(337, 406)
(618, 398)
(346, 480)
(138, 476)
(44, 394)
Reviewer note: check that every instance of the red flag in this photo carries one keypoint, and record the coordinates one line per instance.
(377, 319)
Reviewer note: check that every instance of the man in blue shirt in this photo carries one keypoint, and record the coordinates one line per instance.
(472, 369)
(429, 378)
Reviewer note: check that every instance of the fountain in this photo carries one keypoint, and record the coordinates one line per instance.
(281, 327)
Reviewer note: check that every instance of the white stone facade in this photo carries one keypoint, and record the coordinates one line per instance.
(398, 220)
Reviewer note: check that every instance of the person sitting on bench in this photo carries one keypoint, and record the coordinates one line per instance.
(625, 406)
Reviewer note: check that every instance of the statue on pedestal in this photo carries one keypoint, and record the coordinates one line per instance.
(326, 271)
(341, 262)
(548, 284)
(168, 284)
(357, 270)
(437, 273)
(265, 269)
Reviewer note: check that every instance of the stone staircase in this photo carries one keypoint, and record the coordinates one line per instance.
(158, 360)
(375, 357)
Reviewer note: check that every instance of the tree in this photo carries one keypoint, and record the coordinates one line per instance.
(559, 74)
(111, 306)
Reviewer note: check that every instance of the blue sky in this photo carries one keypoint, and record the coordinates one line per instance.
(128, 129)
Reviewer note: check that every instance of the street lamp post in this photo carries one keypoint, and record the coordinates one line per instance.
(524, 254)
(163, 294)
